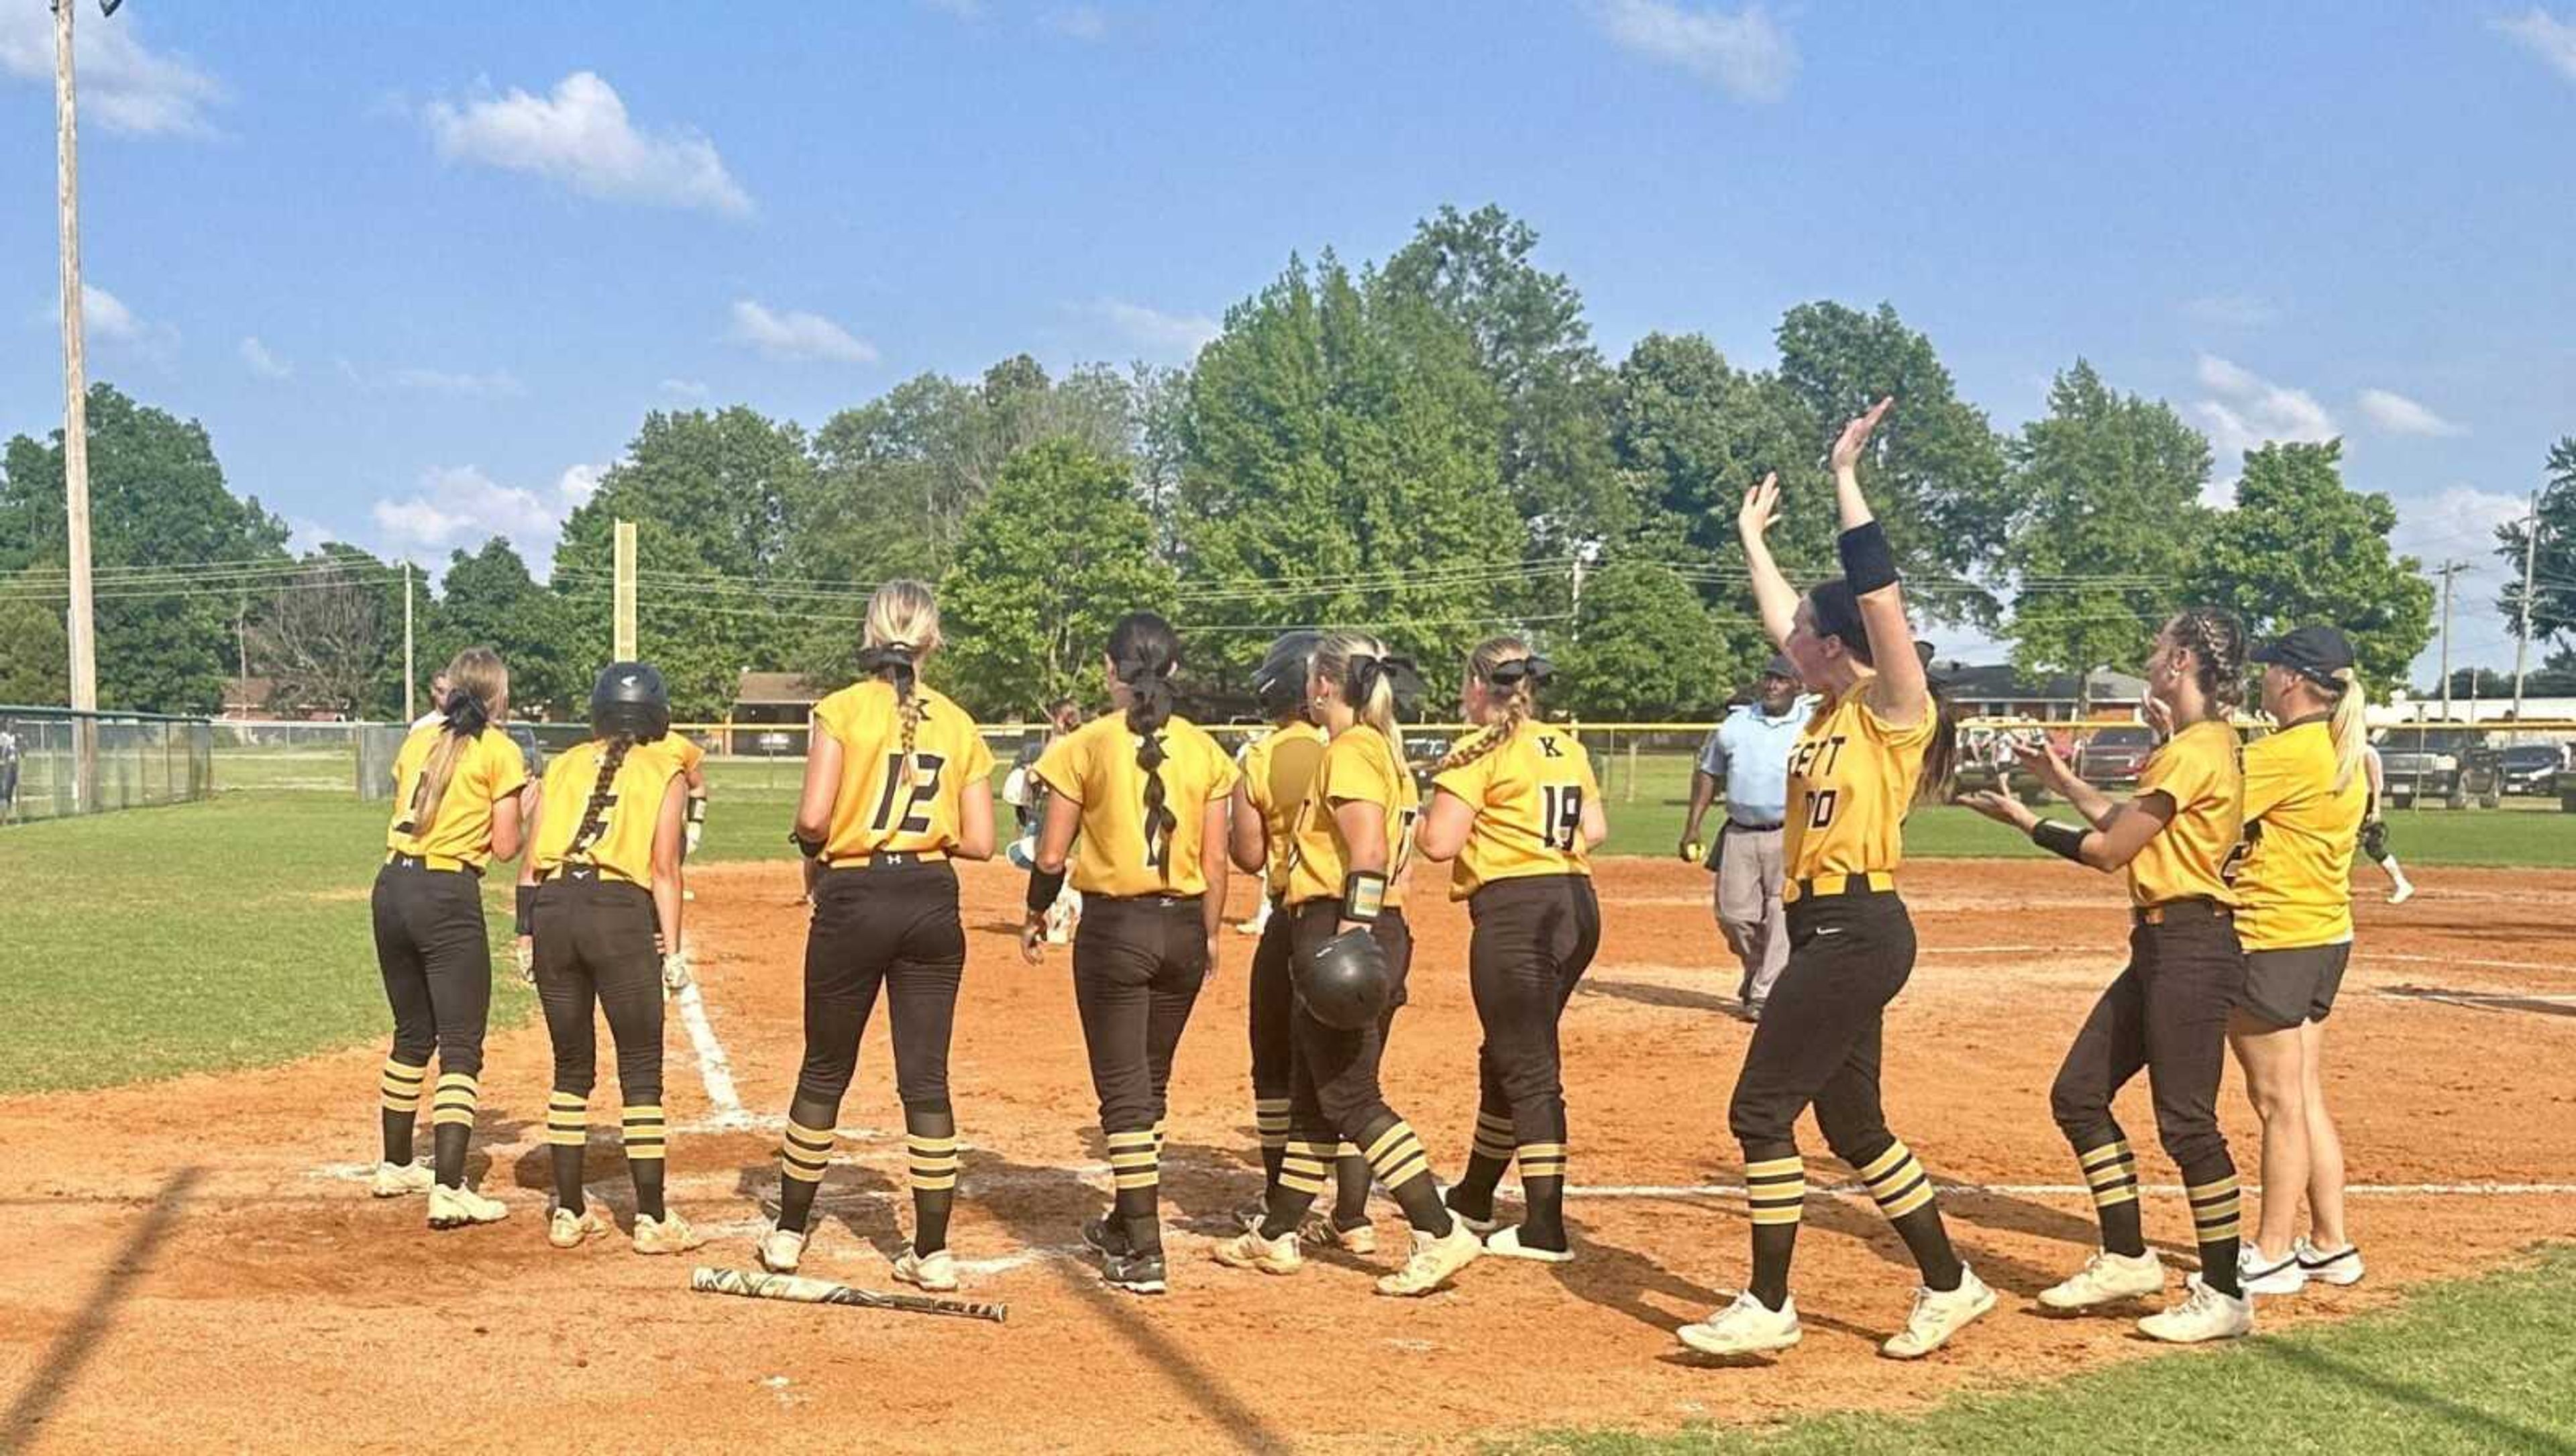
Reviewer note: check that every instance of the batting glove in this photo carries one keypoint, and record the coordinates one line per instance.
(675, 972)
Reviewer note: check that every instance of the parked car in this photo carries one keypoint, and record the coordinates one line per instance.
(2532, 768)
(2114, 757)
(774, 742)
(2448, 766)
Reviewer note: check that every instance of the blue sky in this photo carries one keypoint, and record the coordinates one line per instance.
(421, 272)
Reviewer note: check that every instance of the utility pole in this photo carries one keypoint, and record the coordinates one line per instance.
(622, 596)
(409, 677)
(2448, 570)
(2530, 560)
(80, 624)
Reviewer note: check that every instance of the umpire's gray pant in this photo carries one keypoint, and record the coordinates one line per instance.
(1748, 864)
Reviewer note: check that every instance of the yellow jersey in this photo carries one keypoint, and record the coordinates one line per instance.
(1095, 766)
(489, 768)
(1528, 793)
(2293, 871)
(621, 838)
(683, 751)
(1278, 770)
(2197, 769)
(885, 805)
(1852, 779)
(1359, 765)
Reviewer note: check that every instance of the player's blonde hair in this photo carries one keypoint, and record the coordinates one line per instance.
(478, 688)
(902, 629)
(1358, 663)
(1520, 697)
(2346, 730)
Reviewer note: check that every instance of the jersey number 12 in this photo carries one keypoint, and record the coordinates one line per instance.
(925, 783)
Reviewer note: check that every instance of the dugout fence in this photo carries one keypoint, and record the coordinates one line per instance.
(143, 759)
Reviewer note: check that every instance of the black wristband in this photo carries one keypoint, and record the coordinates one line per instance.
(1868, 562)
(527, 920)
(2066, 841)
(697, 809)
(1043, 889)
(810, 848)
(1363, 896)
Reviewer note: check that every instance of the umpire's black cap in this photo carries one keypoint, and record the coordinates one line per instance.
(2316, 653)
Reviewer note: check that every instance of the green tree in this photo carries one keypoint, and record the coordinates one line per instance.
(1552, 446)
(2553, 596)
(488, 599)
(35, 658)
(713, 496)
(2300, 548)
(1341, 470)
(1056, 553)
(1936, 469)
(157, 499)
(1644, 649)
(330, 636)
(2108, 509)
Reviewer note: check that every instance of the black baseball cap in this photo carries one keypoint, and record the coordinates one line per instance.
(2316, 653)
(1780, 666)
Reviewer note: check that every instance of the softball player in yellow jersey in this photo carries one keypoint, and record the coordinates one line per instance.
(1877, 743)
(2305, 795)
(1346, 868)
(456, 807)
(1148, 793)
(2167, 1013)
(898, 784)
(1515, 809)
(599, 921)
(1276, 771)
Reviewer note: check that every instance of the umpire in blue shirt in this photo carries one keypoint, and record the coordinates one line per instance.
(1749, 754)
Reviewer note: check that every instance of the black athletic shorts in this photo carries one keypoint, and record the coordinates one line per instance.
(2288, 987)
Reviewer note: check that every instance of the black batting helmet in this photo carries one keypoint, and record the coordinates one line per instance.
(1344, 983)
(631, 698)
(1280, 680)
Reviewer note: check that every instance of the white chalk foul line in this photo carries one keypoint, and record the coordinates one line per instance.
(2072, 1190)
(714, 1069)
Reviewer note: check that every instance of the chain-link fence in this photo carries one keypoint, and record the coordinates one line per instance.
(142, 759)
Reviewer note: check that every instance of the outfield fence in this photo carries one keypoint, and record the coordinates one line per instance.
(142, 759)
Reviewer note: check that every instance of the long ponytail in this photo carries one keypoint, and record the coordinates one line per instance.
(1143, 653)
(2347, 730)
(1366, 673)
(602, 794)
(479, 685)
(902, 628)
(1507, 665)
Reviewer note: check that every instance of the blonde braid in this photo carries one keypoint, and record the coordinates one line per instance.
(1489, 655)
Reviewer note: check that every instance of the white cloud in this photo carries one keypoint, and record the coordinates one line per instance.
(1745, 53)
(261, 362)
(2249, 411)
(105, 319)
(499, 383)
(1163, 335)
(124, 87)
(796, 337)
(459, 505)
(2231, 311)
(2545, 36)
(2398, 415)
(1082, 22)
(579, 135)
(685, 388)
(578, 484)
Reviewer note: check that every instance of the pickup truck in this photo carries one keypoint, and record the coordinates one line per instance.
(2447, 766)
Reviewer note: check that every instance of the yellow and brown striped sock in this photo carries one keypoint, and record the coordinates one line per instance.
(646, 1137)
(1905, 1195)
(1897, 1182)
(451, 1125)
(1270, 1121)
(2111, 1175)
(2216, 1210)
(1136, 1173)
(398, 1096)
(567, 1137)
(1396, 1156)
(803, 1153)
(934, 1163)
(1775, 1190)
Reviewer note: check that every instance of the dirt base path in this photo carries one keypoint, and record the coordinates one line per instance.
(193, 1264)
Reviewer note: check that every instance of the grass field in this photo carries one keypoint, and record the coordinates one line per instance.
(2476, 1368)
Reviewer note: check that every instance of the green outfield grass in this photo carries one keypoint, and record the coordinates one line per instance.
(2468, 1369)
